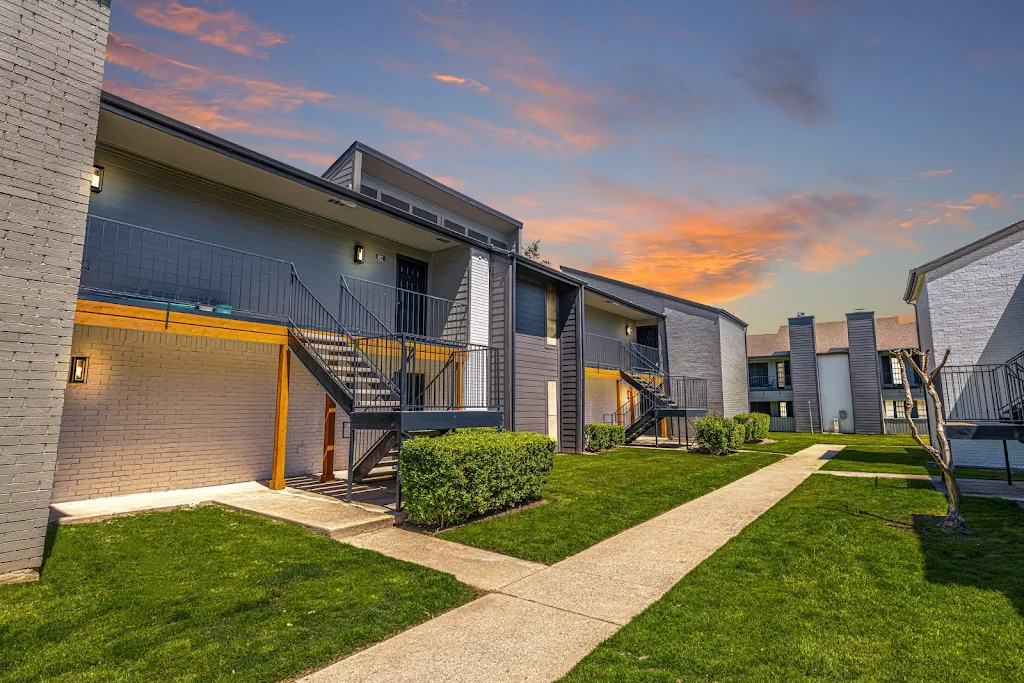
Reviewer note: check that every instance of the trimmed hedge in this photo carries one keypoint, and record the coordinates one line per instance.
(719, 435)
(756, 426)
(447, 479)
(600, 437)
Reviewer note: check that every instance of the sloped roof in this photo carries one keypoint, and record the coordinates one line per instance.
(831, 337)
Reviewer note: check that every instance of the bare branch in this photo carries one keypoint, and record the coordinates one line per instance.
(938, 368)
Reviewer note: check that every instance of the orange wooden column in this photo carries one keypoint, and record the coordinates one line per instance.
(330, 421)
(280, 418)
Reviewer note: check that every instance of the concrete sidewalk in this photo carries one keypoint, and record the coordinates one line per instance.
(538, 627)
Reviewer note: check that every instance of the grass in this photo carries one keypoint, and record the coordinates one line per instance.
(842, 580)
(206, 595)
(898, 460)
(592, 497)
(791, 442)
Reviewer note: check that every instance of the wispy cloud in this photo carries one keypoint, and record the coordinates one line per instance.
(955, 212)
(937, 173)
(700, 250)
(789, 79)
(459, 80)
(227, 29)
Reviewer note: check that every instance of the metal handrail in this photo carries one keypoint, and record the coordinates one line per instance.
(403, 311)
(984, 393)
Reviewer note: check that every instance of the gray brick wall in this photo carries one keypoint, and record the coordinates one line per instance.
(735, 393)
(974, 306)
(694, 350)
(165, 411)
(51, 71)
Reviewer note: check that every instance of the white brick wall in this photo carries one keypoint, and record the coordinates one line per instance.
(163, 411)
(600, 399)
(974, 306)
(51, 70)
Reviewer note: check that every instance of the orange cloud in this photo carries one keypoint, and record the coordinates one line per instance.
(411, 122)
(458, 80)
(696, 250)
(929, 174)
(226, 29)
(954, 212)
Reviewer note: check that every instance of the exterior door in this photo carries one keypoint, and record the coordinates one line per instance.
(411, 310)
(647, 335)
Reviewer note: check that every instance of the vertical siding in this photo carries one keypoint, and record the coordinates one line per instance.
(864, 379)
(804, 366)
(536, 364)
(570, 345)
(343, 174)
(735, 392)
(501, 309)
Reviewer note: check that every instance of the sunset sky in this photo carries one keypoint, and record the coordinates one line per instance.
(766, 157)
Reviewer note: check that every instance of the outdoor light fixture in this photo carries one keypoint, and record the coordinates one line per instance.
(360, 253)
(96, 183)
(79, 372)
(629, 330)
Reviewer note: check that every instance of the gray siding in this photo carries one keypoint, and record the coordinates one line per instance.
(343, 174)
(570, 346)
(501, 325)
(864, 379)
(804, 366)
(142, 193)
(52, 69)
(536, 365)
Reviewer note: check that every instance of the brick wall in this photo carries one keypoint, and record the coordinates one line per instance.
(600, 399)
(694, 350)
(735, 392)
(974, 306)
(51, 70)
(164, 411)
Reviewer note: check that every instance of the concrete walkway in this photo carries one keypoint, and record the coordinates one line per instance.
(538, 627)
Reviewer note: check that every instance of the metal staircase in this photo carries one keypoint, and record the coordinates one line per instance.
(984, 401)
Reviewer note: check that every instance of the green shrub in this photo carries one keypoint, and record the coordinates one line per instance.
(599, 437)
(447, 479)
(755, 425)
(719, 435)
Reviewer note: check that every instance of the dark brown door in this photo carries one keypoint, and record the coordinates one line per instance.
(411, 307)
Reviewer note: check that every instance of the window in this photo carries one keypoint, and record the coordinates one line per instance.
(499, 243)
(897, 370)
(452, 225)
(368, 191)
(780, 374)
(426, 215)
(552, 311)
(478, 235)
(394, 201)
(784, 409)
(761, 407)
(757, 374)
(896, 410)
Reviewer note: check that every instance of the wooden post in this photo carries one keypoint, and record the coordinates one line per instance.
(280, 418)
(618, 401)
(330, 417)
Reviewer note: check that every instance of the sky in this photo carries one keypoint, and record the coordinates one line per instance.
(767, 157)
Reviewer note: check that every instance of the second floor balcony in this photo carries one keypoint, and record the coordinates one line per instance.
(609, 353)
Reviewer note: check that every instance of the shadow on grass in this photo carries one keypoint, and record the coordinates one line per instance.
(903, 455)
(989, 557)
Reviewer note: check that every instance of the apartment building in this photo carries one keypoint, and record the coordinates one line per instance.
(971, 303)
(838, 376)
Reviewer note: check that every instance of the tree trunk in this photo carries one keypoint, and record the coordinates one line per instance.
(954, 520)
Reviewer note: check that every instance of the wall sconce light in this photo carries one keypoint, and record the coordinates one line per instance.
(360, 253)
(96, 183)
(629, 330)
(79, 372)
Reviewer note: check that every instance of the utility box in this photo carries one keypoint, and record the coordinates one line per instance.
(835, 425)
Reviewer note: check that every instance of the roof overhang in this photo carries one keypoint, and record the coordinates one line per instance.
(529, 265)
(604, 301)
(128, 127)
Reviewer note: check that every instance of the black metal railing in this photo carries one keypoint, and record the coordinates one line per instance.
(761, 383)
(608, 353)
(122, 259)
(987, 393)
(378, 368)
(403, 311)
(690, 393)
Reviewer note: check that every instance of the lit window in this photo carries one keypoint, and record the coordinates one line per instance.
(780, 374)
(897, 370)
(784, 409)
(552, 309)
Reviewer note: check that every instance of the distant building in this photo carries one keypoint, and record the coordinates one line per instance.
(838, 376)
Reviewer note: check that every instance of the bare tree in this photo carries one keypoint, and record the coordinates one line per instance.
(532, 252)
(942, 455)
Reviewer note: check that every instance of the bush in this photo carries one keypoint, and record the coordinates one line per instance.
(447, 479)
(599, 437)
(755, 425)
(719, 435)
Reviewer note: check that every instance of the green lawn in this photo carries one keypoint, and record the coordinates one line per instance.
(206, 595)
(791, 442)
(841, 581)
(897, 460)
(592, 497)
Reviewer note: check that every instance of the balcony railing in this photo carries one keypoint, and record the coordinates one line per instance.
(676, 392)
(988, 393)
(782, 424)
(608, 353)
(402, 311)
(760, 383)
(898, 425)
(380, 369)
